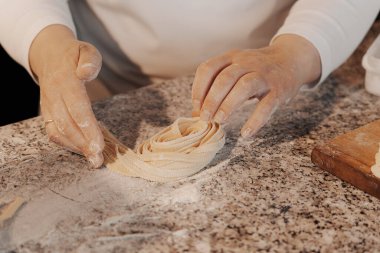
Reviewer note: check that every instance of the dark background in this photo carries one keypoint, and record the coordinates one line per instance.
(19, 93)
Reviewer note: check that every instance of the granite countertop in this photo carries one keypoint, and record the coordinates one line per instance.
(262, 194)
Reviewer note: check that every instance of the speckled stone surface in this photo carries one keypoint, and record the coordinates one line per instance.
(262, 194)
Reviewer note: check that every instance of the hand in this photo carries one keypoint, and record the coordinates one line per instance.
(273, 75)
(62, 65)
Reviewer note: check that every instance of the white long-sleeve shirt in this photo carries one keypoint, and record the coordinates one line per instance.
(169, 38)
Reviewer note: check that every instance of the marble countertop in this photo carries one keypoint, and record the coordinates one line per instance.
(262, 194)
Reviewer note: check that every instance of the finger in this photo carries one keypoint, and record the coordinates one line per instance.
(79, 107)
(59, 139)
(204, 77)
(89, 62)
(262, 113)
(53, 133)
(219, 89)
(66, 125)
(248, 86)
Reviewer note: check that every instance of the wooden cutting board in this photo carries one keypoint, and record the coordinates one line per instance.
(350, 156)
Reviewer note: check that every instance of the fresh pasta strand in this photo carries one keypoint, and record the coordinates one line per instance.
(178, 151)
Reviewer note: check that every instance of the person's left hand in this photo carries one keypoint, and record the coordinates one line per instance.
(273, 75)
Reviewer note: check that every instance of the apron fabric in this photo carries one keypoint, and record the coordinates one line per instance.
(118, 74)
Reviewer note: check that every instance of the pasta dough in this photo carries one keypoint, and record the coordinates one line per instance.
(376, 167)
(180, 150)
(9, 210)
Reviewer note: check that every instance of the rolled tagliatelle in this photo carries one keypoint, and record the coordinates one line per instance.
(180, 150)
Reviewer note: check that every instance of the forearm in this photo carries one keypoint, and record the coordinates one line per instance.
(22, 20)
(303, 58)
(334, 27)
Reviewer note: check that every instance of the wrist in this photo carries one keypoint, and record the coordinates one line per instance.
(47, 45)
(303, 58)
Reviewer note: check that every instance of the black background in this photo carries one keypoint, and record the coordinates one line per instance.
(19, 93)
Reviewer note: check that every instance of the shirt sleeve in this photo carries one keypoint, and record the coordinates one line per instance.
(334, 27)
(22, 20)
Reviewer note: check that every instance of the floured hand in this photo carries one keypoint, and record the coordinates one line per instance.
(273, 74)
(62, 65)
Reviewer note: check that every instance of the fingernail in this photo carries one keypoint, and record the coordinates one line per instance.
(88, 71)
(246, 132)
(205, 115)
(88, 65)
(96, 160)
(196, 105)
(219, 116)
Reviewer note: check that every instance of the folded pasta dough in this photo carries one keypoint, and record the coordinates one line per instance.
(178, 151)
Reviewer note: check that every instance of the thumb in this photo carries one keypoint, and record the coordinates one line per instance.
(89, 62)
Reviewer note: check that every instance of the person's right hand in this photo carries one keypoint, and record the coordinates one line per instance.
(62, 65)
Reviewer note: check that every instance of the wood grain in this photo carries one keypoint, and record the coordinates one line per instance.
(350, 156)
